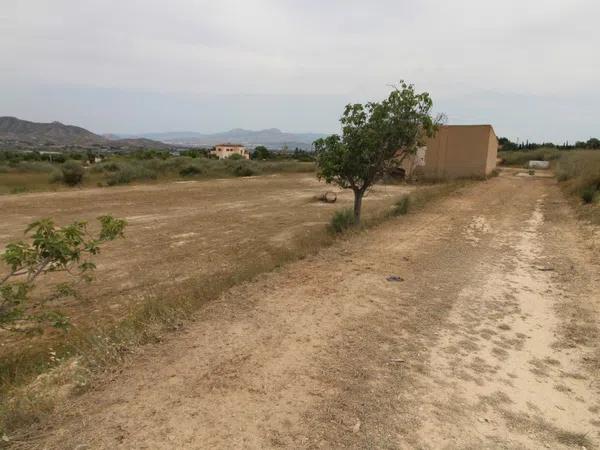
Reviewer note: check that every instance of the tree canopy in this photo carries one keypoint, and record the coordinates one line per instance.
(50, 249)
(261, 152)
(375, 136)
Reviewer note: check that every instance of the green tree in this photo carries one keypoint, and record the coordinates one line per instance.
(49, 249)
(593, 143)
(375, 137)
(261, 152)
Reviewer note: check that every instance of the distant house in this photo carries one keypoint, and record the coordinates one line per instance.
(223, 151)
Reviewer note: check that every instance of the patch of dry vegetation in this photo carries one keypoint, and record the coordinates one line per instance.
(86, 354)
(579, 173)
(35, 176)
(520, 158)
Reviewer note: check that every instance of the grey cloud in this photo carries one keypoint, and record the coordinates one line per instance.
(295, 51)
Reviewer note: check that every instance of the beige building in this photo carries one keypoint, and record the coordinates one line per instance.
(460, 151)
(223, 151)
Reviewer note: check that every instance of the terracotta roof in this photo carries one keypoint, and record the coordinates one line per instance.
(229, 145)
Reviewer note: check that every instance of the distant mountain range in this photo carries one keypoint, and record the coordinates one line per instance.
(54, 132)
(26, 134)
(271, 138)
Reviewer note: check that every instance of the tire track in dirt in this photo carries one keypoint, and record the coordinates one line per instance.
(475, 348)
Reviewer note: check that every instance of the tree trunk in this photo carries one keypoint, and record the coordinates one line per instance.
(358, 196)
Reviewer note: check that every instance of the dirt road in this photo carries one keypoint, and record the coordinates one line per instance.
(490, 341)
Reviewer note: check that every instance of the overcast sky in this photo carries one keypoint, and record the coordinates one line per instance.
(531, 68)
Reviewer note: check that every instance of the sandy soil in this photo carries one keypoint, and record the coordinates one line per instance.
(490, 341)
(182, 234)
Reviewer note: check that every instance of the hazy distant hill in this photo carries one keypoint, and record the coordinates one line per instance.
(272, 138)
(58, 134)
(55, 132)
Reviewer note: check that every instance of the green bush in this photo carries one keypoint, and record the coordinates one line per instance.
(33, 166)
(72, 173)
(56, 177)
(342, 220)
(588, 194)
(236, 157)
(110, 167)
(242, 170)
(128, 173)
(189, 171)
(401, 206)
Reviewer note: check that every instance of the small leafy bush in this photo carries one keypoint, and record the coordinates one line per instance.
(190, 171)
(128, 173)
(48, 249)
(72, 173)
(110, 167)
(242, 170)
(236, 157)
(342, 220)
(401, 206)
(588, 194)
(18, 190)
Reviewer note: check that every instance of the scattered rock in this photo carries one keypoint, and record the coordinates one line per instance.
(394, 278)
(327, 197)
(356, 427)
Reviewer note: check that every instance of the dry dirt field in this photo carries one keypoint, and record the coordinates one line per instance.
(183, 234)
(490, 341)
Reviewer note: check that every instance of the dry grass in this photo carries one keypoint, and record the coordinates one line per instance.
(577, 170)
(579, 173)
(168, 304)
(520, 158)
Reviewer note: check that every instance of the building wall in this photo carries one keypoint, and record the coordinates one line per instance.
(461, 151)
(492, 152)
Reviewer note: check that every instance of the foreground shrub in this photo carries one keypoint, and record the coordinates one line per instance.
(50, 249)
(72, 173)
(342, 220)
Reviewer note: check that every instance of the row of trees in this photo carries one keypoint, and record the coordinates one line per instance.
(259, 153)
(507, 144)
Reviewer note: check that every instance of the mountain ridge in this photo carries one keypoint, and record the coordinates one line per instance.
(25, 132)
(269, 137)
